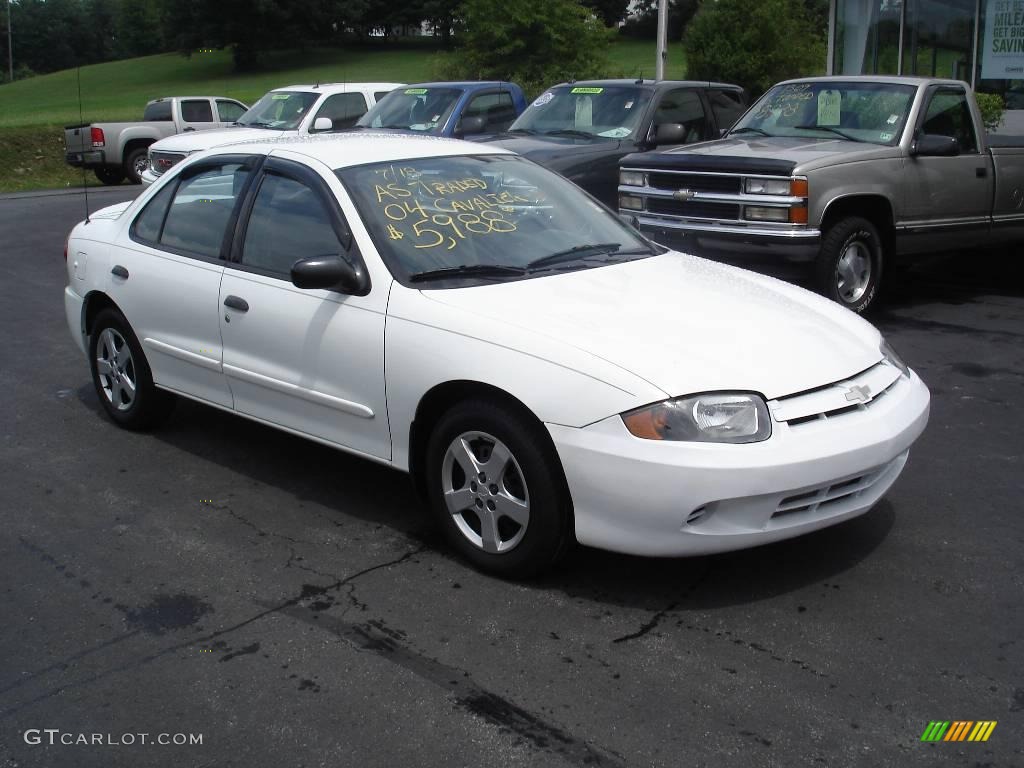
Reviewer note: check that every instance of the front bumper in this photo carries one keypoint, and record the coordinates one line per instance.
(88, 159)
(655, 498)
(148, 177)
(706, 238)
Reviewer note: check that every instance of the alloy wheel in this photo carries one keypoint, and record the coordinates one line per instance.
(116, 369)
(853, 271)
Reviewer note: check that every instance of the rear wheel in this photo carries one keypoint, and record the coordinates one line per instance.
(496, 489)
(109, 175)
(121, 375)
(849, 266)
(135, 164)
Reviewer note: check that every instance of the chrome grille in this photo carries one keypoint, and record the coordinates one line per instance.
(696, 182)
(159, 162)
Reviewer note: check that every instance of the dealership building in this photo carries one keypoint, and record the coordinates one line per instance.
(979, 41)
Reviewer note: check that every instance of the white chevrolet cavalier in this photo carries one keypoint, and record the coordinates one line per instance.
(455, 311)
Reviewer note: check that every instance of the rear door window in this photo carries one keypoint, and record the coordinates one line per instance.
(196, 111)
(158, 110)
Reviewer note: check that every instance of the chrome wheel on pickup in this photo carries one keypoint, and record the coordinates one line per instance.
(849, 266)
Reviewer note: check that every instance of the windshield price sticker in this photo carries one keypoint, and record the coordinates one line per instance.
(281, 96)
(829, 104)
(415, 91)
(543, 99)
(433, 213)
(587, 90)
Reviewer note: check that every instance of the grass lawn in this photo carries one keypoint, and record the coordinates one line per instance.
(34, 111)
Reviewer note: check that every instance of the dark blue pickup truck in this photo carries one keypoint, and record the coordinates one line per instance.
(455, 109)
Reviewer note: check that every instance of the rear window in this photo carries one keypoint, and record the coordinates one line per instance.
(157, 110)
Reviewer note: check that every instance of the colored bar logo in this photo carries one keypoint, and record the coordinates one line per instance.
(958, 730)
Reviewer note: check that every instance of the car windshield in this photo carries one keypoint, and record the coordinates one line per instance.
(414, 109)
(855, 111)
(611, 112)
(279, 110)
(484, 218)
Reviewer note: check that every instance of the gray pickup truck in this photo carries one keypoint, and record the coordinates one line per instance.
(848, 173)
(115, 151)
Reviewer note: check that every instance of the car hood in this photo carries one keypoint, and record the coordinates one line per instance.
(549, 150)
(685, 324)
(194, 141)
(749, 152)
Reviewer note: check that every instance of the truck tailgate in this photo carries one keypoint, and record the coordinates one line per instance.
(77, 138)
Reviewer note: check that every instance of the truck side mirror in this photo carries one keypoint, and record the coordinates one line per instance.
(470, 125)
(669, 133)
(935, 145)
(323, 124)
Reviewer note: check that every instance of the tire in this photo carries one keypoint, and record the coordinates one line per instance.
(135, 164)
(109, 175)
(529, 487)
(849, 265)
(123, 381)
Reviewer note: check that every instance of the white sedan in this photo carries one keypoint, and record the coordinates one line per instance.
(455, 311)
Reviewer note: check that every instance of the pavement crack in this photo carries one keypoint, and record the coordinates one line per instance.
(647, 626)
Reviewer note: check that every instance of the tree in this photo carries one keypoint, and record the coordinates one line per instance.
(643, 21)
(610, 11)
(533, 43)
(754, 43)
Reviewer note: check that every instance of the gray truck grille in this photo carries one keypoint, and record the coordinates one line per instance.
(697, 182)
(693, 209)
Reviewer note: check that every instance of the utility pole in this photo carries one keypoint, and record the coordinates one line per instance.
(659, 65)
(10, 46)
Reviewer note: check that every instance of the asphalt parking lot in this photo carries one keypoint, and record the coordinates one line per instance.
(290, 604)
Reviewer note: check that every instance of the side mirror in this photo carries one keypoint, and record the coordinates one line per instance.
(323, 124)
(328, 272)
(469, 125)
(935, 145)
(669, 133)
(722, 132)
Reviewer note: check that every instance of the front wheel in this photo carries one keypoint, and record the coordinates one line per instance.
(497, 491)
(121, 375)
(849, 266)
(135, 164)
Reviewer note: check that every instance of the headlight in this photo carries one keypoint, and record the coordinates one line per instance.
(631, 178)
(720, 417)
(631, 203)
(767, 186)
(893, 359)
(763, 213)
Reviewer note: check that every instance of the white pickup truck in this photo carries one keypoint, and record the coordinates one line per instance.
(296, 110)
(118, 150)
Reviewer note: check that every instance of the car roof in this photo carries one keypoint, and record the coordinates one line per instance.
(339, 87)
(171, 98)
(460, 84)
(648, 83)
(341, 150)
(891, 79)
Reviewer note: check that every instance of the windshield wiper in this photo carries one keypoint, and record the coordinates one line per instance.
(569, 132)
(467, 270)
(830, 129)
(751, 129)
(574, 253)
(528, 131)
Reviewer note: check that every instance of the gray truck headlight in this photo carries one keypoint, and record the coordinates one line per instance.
(767, 186)
(716, 417)
(631, 179)
(631, 203)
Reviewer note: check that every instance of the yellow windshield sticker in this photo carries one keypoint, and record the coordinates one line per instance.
(281, 96)
(586, 90)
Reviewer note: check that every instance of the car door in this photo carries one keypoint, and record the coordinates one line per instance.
(166, 274)
(196, 115)
(308, 360)
(948, 199)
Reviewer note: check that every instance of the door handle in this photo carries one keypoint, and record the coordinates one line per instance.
(234, 302)
(119, 271)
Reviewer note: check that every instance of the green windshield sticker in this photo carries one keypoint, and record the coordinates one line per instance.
(415, 91)
(281, 96)
(586, 90)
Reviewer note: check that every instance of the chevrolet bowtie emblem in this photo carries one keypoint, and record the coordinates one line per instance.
(863, 394)
(683, 194)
